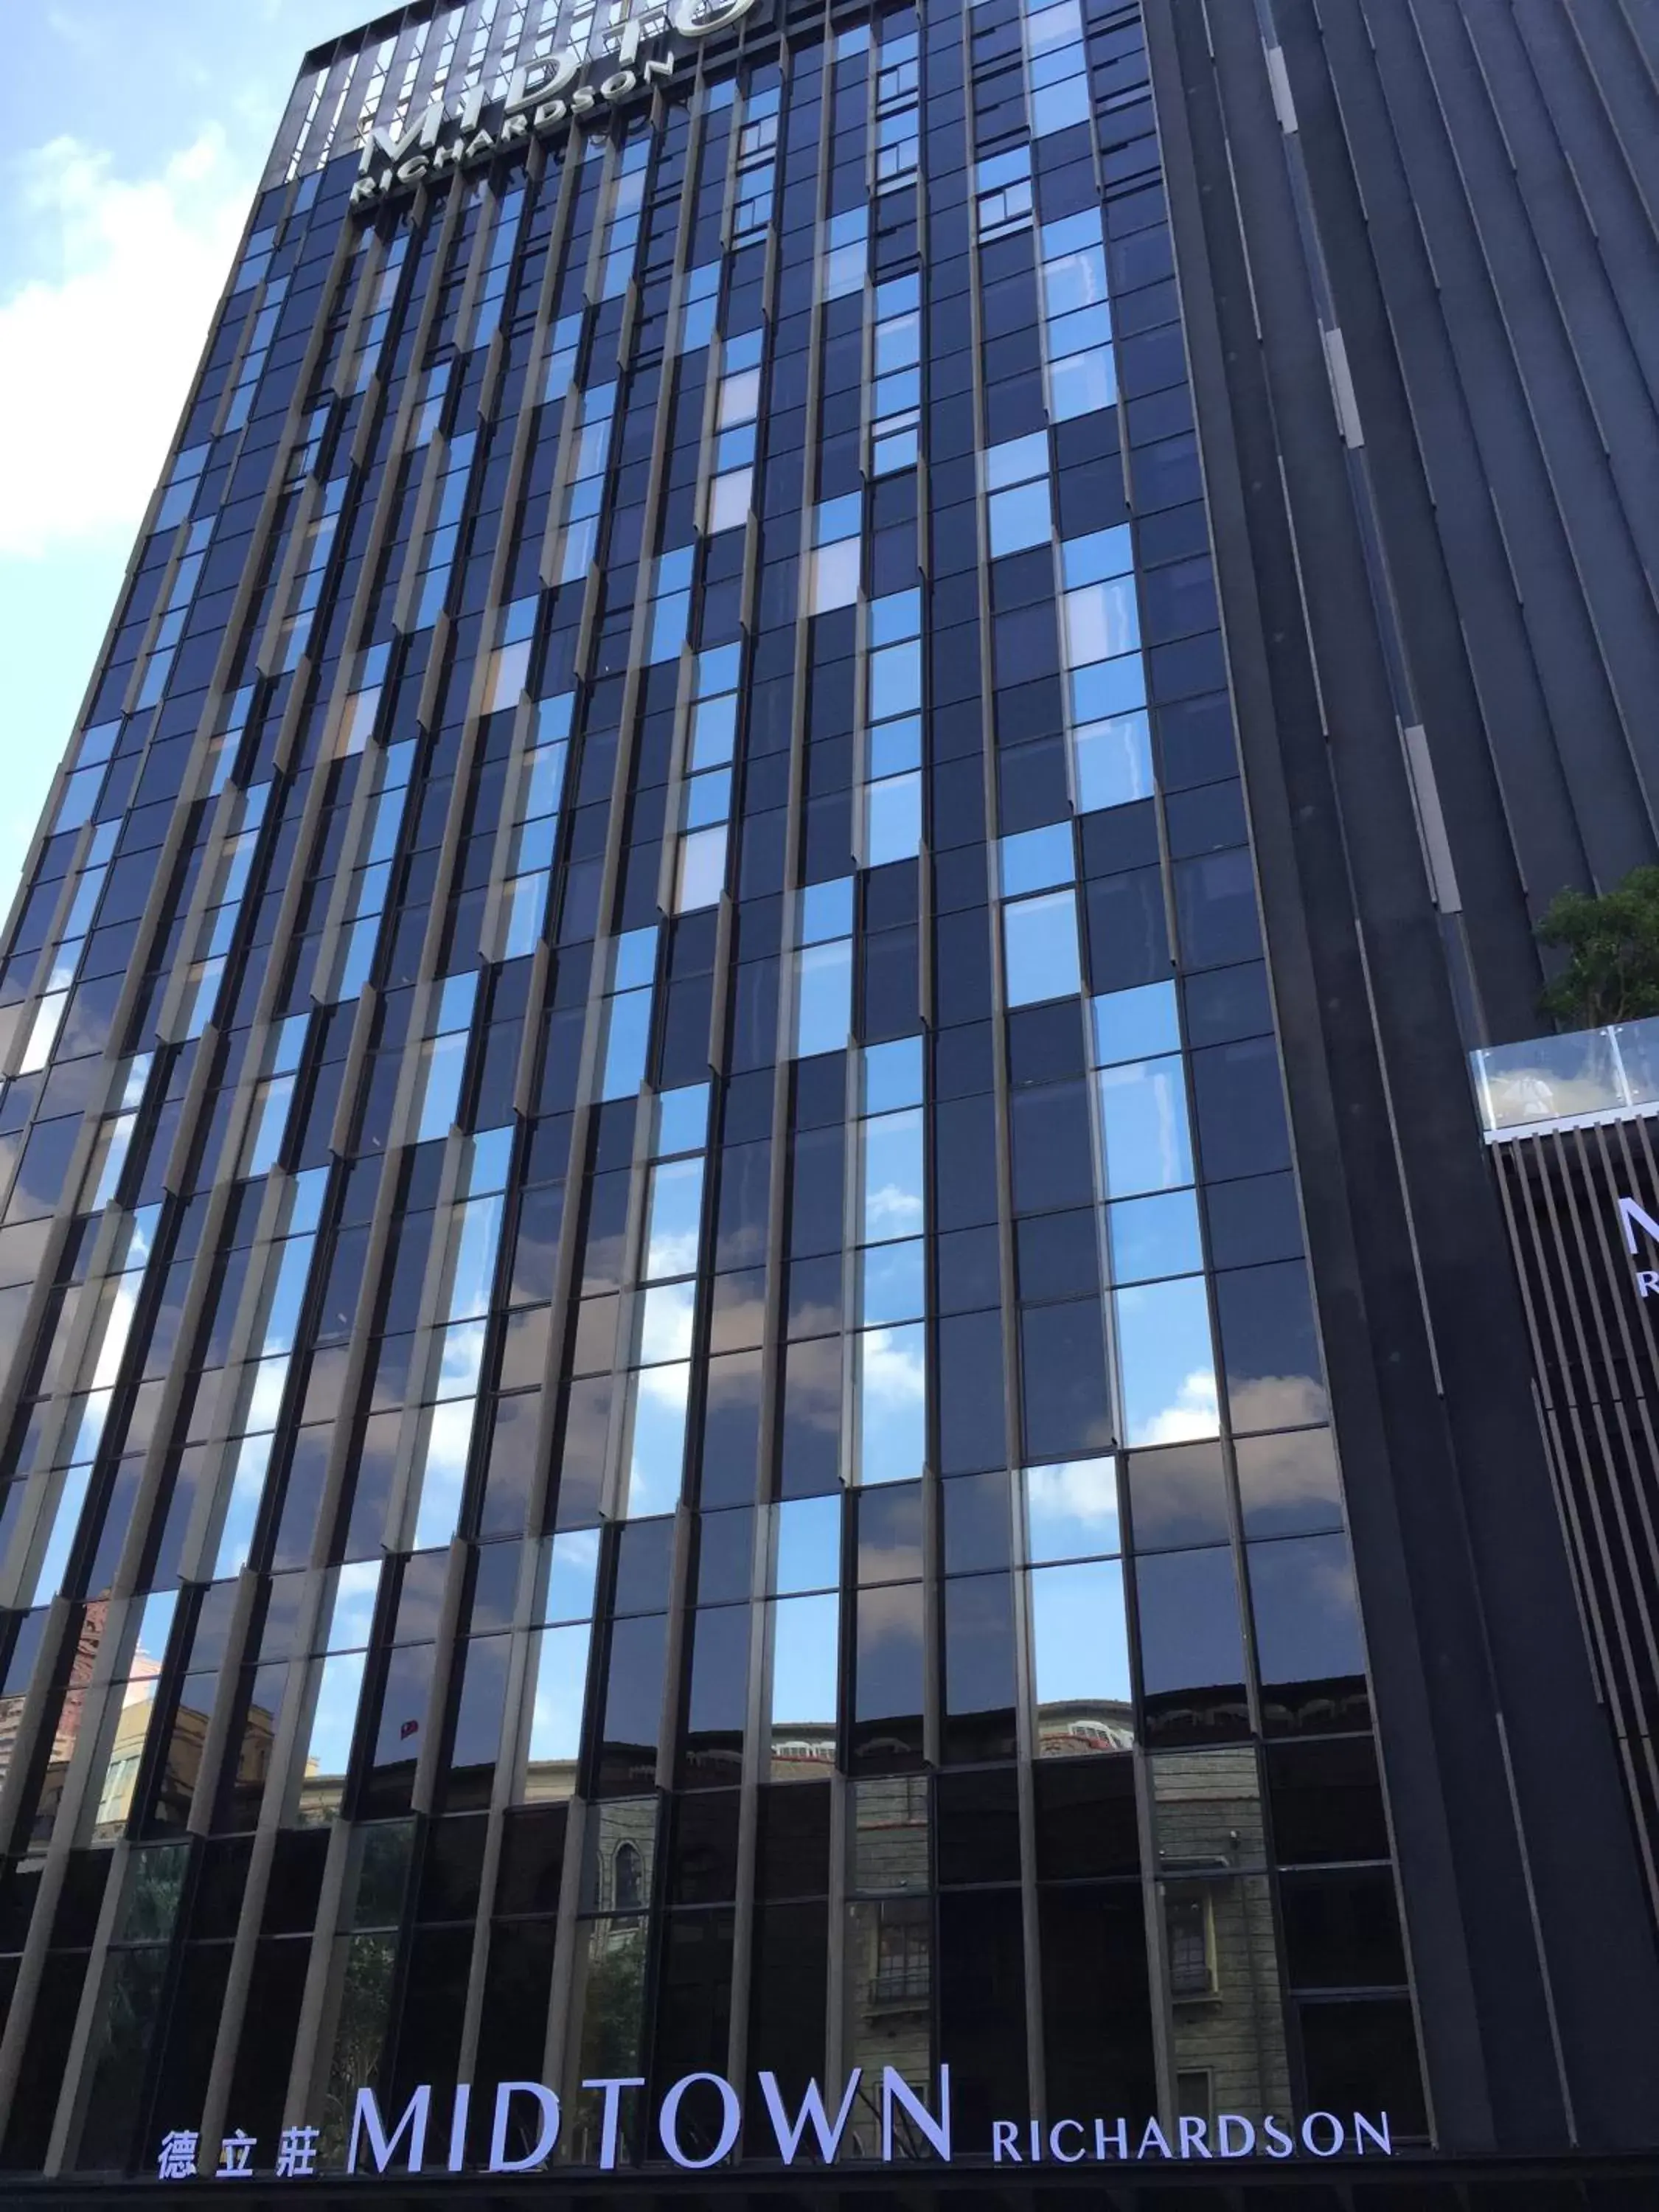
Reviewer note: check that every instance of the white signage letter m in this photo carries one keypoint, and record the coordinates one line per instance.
(366, 2120)
(1630, 1214)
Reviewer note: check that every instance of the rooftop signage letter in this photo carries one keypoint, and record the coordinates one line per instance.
(543, 98)
(1631, 1216)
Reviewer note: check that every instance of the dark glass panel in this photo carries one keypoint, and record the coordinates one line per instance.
(633, 1704)
(512, 2029)
(979, 1667)
(811, 1464)
(1096, 2003)
(126, 2024)
(718, 1703)
(1270, 1348)
(581, 1470)
(694, 2011)
(645, 1565)
(787, 2000)
(972, 1413)
(390, 1774)
(981, 2007)
(1053, 1158)
(1066, 1411)
(451, 1868)
(1191, 1645)
(80, 1899)
(1177, 1496)
(531, 1861)
(1254, 1220)
(1085, 1817)
(726, 1546)
(1326, 1799)
(889, 1668)
(1288, 1485)
(791, 1850)
(429, 2036)
(889, 1533)
(976, 1826)
(702, 1860)
(1057, 1255)
(41, 2077)
(1341, 1929)
(978, 1528)
(483, 1660)
(731, 1430)
(1309, 1648)
(1361, 2056)
(221, 1879)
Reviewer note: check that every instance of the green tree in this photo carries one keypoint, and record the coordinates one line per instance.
(1612, 942)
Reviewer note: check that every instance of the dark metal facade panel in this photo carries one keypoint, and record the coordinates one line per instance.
(1288, 239)
(1479, 194)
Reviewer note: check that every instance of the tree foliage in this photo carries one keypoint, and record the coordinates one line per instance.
(1612, 944)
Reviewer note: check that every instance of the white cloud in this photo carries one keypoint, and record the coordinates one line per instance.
(95, 367)
(1193, 1412)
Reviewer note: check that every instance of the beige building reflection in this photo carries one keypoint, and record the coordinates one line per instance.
(888, 1961)
(1226, 2020)
(1077, 1726)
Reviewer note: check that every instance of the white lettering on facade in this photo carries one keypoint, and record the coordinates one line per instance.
(789, 2132)
(668, 2120)
(542, 97)
(375, 2148)
(547, 2136)
(895, 2090)
(366, 2120)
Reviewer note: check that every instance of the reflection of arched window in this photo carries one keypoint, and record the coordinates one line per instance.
(627, 1891)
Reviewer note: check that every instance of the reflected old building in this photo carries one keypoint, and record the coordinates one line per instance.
(753, 1333)
(1226, 2020)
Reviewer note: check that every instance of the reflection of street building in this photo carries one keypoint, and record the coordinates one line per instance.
(1084, 1724)
(1226, 2020)
(550, 1779)
(888, 1977)
(802, 1751)
(66, 1733)
(126, 1754)
(607, 2003)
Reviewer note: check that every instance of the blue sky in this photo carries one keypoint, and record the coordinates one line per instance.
(134, 132)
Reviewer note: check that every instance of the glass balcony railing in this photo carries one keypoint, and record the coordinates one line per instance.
(1579, 1077)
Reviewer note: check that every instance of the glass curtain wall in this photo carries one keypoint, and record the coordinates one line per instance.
(662, 1413)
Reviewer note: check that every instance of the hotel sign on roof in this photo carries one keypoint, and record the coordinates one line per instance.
(544, 99)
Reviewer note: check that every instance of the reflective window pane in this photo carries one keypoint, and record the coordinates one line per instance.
(1081, 1659)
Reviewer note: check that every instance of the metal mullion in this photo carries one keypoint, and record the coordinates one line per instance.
(236, 1382)
(587, 1107)
(75, 2085)
(55, 1423)
(773, 1345)
(268, 1825)
(289, 131)
(424, 91)
(218, 823)
(396, 69)
(763, 1620)
(320, 129)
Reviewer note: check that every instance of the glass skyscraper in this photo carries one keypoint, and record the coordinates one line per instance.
(666, 1432)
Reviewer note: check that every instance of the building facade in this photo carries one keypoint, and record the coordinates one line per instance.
(764, 1404)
